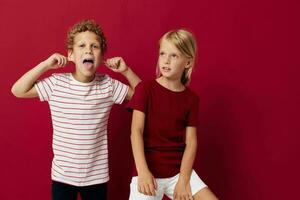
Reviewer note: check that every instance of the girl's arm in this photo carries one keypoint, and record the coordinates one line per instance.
(182, 188)
(117, 64)
(146, 181)
(24, 87)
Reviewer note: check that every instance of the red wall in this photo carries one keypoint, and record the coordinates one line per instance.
(246, 76)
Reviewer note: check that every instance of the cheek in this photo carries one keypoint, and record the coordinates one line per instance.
(160, 61)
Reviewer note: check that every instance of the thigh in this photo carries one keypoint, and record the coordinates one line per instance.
(62, 191)
(136, 195)
(94, 192)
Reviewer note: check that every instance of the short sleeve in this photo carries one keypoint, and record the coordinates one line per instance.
(119, 91)
(45, 87)
(193, 112)
(140, 98)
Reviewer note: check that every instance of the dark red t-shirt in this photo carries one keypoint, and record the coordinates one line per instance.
(167, 114)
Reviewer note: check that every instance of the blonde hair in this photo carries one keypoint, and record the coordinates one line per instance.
(185, 42)
(86, 25)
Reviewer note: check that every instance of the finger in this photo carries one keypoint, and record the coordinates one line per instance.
(118, 63)
(107, 62)
(113, 63)
(190, 195)
(142, 190)
(61, 61)
(65, 61)
(155, 183)
(139, 189)
(175, 195)
(146, 190)
(152, 190)
(58, 61)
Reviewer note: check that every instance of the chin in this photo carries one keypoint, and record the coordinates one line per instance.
(89, 74)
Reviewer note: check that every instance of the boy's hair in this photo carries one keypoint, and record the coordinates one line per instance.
(86, 25)
(185, 42)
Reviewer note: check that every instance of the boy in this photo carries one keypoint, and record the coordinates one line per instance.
(80, 103)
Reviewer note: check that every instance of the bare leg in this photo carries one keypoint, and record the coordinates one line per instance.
(205, 194)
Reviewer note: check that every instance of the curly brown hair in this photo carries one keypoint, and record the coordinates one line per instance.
(86, 25)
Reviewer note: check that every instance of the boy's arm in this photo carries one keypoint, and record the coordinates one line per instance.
(133, 80)
(24, 87)
(182, 189)
(117, 64)
(146, 181)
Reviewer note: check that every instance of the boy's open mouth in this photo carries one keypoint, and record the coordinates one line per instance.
(88, 61)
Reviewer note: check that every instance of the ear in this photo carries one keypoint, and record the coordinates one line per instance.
(70, 56)
(189, 63)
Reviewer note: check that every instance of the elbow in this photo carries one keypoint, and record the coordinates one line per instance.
(132, 135)
(136, 134)
(130, 93)
(15, 92)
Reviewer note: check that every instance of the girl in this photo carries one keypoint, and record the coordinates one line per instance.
(164, 121)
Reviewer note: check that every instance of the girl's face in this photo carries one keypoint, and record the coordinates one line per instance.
(86, 55)
(171, 61)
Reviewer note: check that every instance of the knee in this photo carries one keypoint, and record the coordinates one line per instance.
(205, 194)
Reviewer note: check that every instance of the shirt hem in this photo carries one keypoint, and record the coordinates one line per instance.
(61, 180)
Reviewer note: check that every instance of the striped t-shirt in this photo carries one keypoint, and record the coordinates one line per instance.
(80, 114)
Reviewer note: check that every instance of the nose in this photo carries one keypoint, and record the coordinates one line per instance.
(167, 60)
(88, 50)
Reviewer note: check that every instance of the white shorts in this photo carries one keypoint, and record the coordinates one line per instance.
(165, 186)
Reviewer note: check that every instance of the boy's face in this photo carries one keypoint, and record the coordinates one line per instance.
(86, 55)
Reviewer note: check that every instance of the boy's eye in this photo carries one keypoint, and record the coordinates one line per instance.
(81, 45)
(161, 53)
(96, 46)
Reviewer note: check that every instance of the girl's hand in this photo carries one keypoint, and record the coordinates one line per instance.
(182, 190)
(116, 64)
(147, 184)
(55, 61)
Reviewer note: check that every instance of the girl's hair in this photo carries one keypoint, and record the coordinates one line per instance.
(185, 42)
(86, 25)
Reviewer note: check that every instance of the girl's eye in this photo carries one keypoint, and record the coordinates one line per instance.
(96, 47)
(174, 56)
(161, 53)
(81, 45)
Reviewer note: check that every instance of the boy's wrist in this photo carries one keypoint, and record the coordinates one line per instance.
(126, 71)
(44, 66)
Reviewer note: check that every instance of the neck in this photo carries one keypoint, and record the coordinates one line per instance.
(173, 85)
(83, 79)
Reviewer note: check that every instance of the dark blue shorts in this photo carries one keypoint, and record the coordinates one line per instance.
(62, 191)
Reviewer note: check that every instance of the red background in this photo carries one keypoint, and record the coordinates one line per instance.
(246, 76)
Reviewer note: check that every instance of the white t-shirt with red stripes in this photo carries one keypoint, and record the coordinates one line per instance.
(80, 114)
